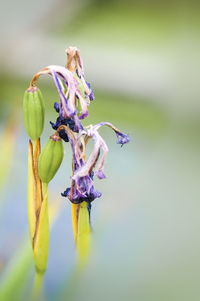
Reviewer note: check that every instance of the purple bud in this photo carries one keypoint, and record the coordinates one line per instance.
(122, 138)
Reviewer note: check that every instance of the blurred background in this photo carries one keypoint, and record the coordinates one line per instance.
(142, 60)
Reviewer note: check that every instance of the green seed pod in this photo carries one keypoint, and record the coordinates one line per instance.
(50, 159)
(33, 108)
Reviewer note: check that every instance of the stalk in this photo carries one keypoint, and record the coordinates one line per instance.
(37, 285)
(84, 233)
(75, 212)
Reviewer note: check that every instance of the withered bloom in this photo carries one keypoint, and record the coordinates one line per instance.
(75, 95)
(74, 92)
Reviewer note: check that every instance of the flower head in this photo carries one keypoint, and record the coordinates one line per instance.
(82, 187)
(75, 95)
(75, 64)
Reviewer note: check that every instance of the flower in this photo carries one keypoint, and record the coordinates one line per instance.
(82, 187)
(99, 144)
(74, 92)
(63, 121)
(74, 63)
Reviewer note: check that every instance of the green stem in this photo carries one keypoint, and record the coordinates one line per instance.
(34, 144)
(37, 285)
(44, 188)
(84, 233)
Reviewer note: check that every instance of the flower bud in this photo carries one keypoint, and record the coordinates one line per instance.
(34, 111)
(50, 159)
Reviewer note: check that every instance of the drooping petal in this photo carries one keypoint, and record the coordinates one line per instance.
(121, 137)
(84, 110)
(85, 169)
(73, 56)
(99, 171)
(91, 94)
(68, 111)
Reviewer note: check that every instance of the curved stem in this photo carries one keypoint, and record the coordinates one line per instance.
(37, 75)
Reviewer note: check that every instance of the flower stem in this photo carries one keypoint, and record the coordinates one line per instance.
(44, 188)
(37, 285)
(75, 212)
(84, 233)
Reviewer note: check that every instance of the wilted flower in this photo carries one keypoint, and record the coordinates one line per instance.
(86, 168)
(75, 95)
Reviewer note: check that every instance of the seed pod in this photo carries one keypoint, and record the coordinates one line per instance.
(50, 159)
(34, 111)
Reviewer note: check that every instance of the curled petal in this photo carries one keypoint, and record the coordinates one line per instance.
(84, 110)
(76, 197)
(121, 137)
(75, 148)
(75, 65)
(73, 56)
(68, 100)
(91, 94)
(85, 169)
(99, 173)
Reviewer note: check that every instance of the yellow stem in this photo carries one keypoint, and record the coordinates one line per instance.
(44, 188)
(37, 285)
(75, 211)
(83, 233)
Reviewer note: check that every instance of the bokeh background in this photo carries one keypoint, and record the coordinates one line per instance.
(141, 58)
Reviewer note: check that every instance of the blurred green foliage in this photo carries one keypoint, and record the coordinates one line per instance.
(134, 112)
(155, 254)
(129, 24)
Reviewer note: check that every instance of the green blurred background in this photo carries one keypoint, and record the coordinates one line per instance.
(142, 60)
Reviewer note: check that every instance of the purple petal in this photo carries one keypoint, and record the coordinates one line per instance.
(100, 174)
(122, 138)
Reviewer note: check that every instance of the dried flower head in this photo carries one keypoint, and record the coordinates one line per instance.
(75, 94)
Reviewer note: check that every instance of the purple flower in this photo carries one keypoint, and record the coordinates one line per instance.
(99, 144)
(82, 188)
(73, 88)
(75, 64)
(122, 138)
(78, 198)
